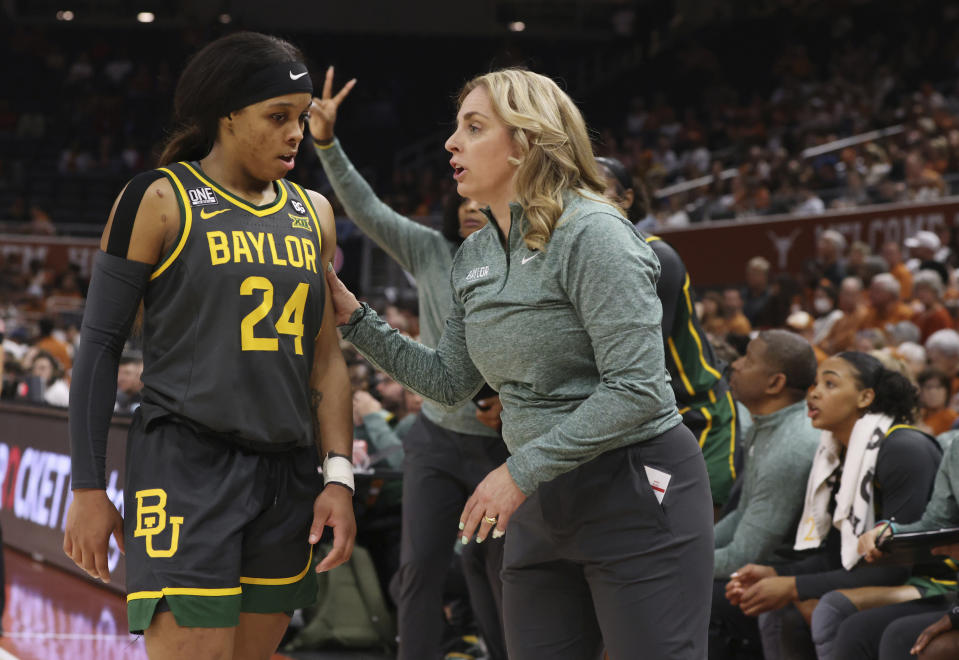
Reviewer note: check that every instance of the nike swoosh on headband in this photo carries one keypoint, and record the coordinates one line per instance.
(297, 76)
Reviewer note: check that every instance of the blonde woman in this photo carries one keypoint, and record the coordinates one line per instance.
(604, 500)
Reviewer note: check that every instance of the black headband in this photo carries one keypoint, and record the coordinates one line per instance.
(269, 82)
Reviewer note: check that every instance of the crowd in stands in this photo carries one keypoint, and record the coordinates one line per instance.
(744, 126)
(906, 309)
(750, 143)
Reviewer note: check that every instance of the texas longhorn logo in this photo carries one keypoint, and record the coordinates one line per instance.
(152, 521)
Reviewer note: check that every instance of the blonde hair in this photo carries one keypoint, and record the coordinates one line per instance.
(550, 135)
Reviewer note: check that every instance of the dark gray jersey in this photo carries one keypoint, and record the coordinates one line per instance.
(232, 312)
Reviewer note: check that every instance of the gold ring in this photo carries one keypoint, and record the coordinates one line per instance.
(490, 519)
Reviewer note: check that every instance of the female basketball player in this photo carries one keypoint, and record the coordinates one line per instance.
(242, 370)
(605, 501)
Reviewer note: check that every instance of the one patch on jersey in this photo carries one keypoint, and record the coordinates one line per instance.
(299, 207)
(202, 196)
(477, 273)
(300, 222)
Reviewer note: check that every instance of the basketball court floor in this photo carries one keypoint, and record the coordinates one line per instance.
(52, 615)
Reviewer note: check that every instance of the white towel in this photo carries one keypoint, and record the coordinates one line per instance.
(854, 512)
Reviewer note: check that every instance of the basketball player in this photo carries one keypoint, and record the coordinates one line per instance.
(242, 370)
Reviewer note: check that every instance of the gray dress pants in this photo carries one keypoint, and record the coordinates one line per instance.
(593, 561)
(441, 469)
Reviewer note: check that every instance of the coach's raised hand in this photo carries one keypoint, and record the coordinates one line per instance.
(323, 109)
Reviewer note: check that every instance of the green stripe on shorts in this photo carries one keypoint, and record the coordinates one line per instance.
(929, 587)
(190, 611)
(271, 598)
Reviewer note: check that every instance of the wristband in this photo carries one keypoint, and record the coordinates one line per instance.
(954, 617)
(882, 537)
(338, 470)
(323, 145)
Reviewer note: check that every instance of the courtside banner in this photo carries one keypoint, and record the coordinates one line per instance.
(35, 483)
(716, 253)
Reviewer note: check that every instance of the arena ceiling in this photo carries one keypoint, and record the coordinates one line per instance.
(553, 18)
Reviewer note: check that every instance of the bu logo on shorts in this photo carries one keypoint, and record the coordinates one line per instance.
(152, 521)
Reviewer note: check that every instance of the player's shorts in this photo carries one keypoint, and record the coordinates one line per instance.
(212, 530)
(929, 587)
(713, 421)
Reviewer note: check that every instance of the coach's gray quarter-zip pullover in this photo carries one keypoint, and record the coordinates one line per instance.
(570, 337)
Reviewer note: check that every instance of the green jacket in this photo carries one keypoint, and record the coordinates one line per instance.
(779, 451)
(570, 337)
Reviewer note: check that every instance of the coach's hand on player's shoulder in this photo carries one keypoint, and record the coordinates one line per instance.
(334, 508)
(323, 109)
(91, 519)
(344, 302)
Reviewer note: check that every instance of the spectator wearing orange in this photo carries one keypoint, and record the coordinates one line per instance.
(842, 334)
(934, 316)
(892, 253)
(885, 307)
(47, 342)
(736, 321)
(711, 318)
(935, 389)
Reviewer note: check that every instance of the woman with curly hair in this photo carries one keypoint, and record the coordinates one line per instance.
(605, 494)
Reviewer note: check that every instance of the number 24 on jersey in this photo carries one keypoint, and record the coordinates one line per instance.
(289, 323)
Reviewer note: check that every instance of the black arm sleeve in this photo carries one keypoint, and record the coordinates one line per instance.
(669, 289)
(126, 214)
(116, 287)
(905, 472)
